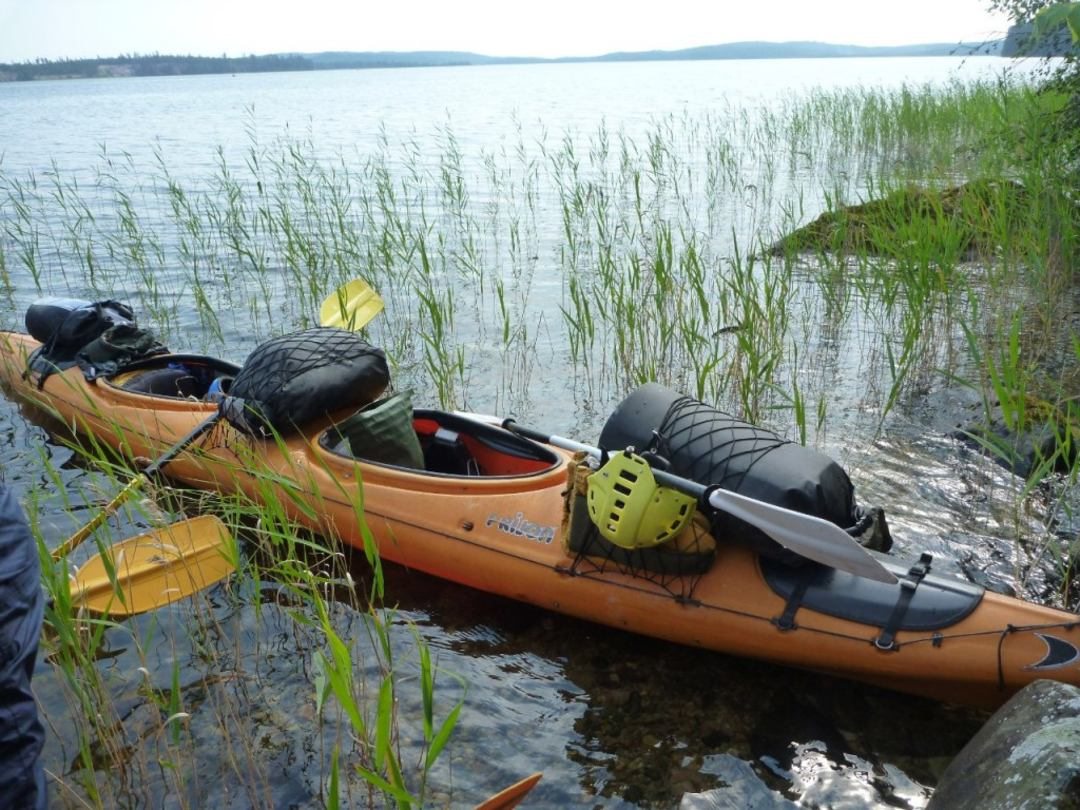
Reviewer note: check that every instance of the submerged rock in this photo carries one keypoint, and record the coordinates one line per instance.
(1034, 449)
(1026, 756)
(960, 413)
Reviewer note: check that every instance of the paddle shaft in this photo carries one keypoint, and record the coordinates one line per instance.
(662, 477)
(806, 535)
(152, 469)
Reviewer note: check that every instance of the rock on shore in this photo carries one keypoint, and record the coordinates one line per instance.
(1027, 756)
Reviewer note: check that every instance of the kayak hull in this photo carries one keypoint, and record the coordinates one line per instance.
(503, 534)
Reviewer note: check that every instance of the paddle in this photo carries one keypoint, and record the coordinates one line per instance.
(154, 569)
(146, 473)
(806, 535)
(354, 303)
(351, 306)
(510, 797)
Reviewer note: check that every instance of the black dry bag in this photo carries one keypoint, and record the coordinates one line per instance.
(713, 448)
(66, 325)
(288, 381)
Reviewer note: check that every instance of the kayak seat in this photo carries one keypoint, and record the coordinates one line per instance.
(445, 452)
(937, 602)
(457, 445)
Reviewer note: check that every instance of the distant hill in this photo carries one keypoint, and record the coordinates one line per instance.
(731, 50)
(802, 50)
(166, 65)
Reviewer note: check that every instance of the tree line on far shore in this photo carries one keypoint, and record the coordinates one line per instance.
(149, 65)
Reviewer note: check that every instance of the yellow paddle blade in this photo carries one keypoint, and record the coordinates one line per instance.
(156, 568)
(351, 306)
(511, 796)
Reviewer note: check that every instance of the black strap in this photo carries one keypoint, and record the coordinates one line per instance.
(39, 364)
(908, 586)
(786, 621)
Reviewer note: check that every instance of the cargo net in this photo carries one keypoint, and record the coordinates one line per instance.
(676, 566)
(712, 446)
(288, 381)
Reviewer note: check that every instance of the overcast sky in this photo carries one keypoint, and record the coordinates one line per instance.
(52, 29)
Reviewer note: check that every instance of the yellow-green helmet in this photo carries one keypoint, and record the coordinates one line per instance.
(630, 509)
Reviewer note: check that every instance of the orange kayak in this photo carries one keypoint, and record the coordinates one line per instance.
(487, 511)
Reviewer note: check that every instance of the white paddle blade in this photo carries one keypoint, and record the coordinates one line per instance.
(806, 535)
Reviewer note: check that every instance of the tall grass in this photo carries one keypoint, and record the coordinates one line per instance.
(623, 254)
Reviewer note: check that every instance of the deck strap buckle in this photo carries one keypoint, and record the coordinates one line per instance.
(908, 586)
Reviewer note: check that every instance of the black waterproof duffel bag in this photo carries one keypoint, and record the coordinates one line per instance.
(713, 448)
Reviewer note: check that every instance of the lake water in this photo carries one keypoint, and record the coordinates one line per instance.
(612, 719)
(69, 124)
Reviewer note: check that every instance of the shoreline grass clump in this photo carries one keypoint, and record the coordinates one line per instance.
(954, 224)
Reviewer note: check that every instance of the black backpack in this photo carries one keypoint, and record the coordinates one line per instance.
(100, 337)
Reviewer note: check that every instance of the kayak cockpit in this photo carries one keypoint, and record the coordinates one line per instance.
(176, 376)
(437, 442)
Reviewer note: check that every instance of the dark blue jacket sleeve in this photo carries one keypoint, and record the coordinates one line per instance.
(21, 605)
